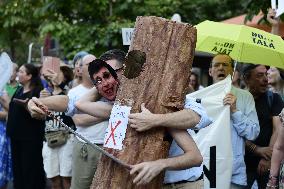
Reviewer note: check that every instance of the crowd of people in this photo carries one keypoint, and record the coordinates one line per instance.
(36, 147)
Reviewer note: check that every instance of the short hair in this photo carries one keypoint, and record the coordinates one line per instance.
(231, 60)
(281, 71)
(114, 54)
(97, 64)
(247, 68)
(79, 56)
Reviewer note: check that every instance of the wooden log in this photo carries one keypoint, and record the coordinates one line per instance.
(162, 86)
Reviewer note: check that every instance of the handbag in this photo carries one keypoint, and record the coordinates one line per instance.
(56, 138)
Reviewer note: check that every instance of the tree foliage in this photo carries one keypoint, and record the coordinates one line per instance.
(95, 26)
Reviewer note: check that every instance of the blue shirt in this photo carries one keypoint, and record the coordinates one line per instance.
(244, 126)
(193, 173)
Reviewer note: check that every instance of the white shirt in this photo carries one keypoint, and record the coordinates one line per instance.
(94, 133)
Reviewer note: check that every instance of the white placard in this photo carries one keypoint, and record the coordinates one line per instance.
(280, 8)
(176, 17)
(273, 4)
(117, 126)
(127, 35)
(216, 138)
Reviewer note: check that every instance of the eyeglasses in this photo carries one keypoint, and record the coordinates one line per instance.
(99, 80)
(118, 69)
(218, 64)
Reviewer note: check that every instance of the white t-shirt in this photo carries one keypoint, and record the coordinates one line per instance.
(94, 133)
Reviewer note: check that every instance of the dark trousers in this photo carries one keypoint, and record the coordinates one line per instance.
(27, 164)
(261, 180)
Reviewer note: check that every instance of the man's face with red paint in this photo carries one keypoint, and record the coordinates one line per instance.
(106, 84)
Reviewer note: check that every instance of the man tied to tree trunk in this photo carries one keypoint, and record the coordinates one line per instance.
(106, 83)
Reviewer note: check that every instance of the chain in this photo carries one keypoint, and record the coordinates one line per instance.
(94, 146)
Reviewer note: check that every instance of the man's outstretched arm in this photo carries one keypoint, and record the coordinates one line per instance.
(55, 103)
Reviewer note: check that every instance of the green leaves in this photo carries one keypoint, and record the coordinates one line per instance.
(95, 26)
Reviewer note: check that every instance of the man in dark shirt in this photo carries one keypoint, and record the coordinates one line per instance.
(268, 106)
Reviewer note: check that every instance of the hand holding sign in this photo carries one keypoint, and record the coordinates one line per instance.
(50, 63)
(278, 7)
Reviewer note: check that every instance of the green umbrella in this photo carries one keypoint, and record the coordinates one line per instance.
(242, 43)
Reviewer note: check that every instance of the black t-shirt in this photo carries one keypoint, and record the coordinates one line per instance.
(20, 124)
(265, 111)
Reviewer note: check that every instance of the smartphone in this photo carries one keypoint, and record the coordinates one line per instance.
(50, 63)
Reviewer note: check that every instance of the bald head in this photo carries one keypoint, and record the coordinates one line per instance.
(221, 66)
(88, 58)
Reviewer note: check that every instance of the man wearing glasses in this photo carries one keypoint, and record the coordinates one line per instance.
(244, 122)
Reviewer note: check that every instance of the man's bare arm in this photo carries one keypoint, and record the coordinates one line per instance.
(4, 101)
(183, 119)
(97, 109)
(56, 103)
(3, 115)
(85, 120)
(146, 171)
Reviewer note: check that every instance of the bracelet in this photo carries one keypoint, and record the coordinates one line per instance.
(272, 182)
(252, 147)
(273, 177)
(281, 116)
(271, 186)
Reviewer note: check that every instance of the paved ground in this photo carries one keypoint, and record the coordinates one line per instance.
(48, 186)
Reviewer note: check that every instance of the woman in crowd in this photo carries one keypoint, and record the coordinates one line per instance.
(275, 82)
(5, 155)
(57, 156)
(26, 133)
(194, 81)
(77, 62)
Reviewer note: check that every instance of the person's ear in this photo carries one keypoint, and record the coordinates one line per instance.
(210, 72)
(29, 76)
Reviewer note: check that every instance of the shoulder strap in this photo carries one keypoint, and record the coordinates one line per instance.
(270, 96)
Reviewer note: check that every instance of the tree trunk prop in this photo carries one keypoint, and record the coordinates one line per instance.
(161, 85)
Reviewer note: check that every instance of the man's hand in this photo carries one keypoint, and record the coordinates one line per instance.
(263, 167)
(230, 100)
(264, 152)
(271, 17)
(143, 121)
(146, 171)
(34, 110)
